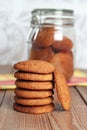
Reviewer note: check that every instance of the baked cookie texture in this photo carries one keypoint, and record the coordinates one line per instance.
(33, 109)
(33, 77)
(34, 85)
(33, 102)
(33, 94)
(62, 90)
(35, 66)
(34, 91)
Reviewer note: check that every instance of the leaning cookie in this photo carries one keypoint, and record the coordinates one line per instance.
(34, 110)
(35, 66)
(34, 85)
(33, 94)
(33, 102)
(33, 77)
(62, 89)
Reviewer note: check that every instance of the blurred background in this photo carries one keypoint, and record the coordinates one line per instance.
(15, 17)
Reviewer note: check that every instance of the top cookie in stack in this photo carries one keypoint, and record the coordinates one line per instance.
(35, 66)
(34, 86)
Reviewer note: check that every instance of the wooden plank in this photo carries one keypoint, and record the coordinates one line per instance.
(83, 93)
(12, 120)
(75, 119)
(79, 111)
(61, 118)
(2, 93)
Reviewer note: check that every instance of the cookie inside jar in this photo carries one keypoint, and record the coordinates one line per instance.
(52, 41)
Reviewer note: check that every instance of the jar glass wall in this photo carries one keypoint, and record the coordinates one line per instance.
(52, 38)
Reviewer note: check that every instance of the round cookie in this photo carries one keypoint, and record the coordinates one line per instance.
(35, 66)
(63, 61)
(41, 53)
(33, 77)
(33, 94)
(34, 85)
(34, 110)
(33, 102)
(62, 90)
(64, 44)
(45, 37)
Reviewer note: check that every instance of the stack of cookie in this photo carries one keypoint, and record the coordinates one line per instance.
(34, 90)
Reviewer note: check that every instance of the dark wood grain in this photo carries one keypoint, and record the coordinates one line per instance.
(83, 93)
(78, 110)
(2, 93)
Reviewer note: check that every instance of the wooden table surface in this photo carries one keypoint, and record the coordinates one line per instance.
(75, 119)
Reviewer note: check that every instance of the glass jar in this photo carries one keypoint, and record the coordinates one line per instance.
(52, 38)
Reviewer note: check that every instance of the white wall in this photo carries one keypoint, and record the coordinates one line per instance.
(14, 27)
